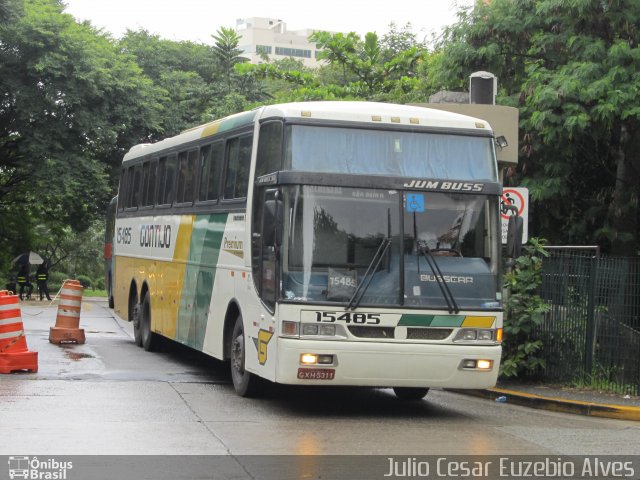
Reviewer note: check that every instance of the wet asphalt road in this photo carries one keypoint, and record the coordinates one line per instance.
(110, 397)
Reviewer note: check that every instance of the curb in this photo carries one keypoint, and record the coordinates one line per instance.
(558, 404)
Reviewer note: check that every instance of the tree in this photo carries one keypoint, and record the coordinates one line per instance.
(227, 54)
(354, 70)
(71, 106)
(376, 68)
(573, 68)
(181, 71)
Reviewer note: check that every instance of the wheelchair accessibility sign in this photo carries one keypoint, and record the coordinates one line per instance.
(415, 202)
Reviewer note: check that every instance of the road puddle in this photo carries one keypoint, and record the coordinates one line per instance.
(77, 355)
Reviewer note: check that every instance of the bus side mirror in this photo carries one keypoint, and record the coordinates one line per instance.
(272, 223)
(514, 233)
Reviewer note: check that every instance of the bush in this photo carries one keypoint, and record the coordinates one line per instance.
(55, 281)
(84, 280)
(524, 311)
(98, 283)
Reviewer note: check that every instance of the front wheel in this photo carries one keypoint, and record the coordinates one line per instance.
(244, 383)
(410, 393)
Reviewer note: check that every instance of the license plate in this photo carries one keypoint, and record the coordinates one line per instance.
(316, 373)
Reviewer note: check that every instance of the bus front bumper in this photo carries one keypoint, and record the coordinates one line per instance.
(379, 364)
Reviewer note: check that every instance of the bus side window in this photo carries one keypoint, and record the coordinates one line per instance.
(182, 172)
(190, 177)
(122, 191)
(167, 180)
(149, 183)
(269, 157)
(211, 157)
(238, 162)
(132, 187)
(137, 186)
(186, 173)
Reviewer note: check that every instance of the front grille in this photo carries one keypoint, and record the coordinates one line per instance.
(388, 332)
(428, 333)
(371, 332)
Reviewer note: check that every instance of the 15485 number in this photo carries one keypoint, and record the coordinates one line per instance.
(348, 317)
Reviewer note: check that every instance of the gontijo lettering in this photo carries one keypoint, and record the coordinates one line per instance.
(156, 236)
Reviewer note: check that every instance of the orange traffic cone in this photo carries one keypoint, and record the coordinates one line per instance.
(14, 355)
(68, 318)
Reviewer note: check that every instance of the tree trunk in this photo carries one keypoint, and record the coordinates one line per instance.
(623, 211)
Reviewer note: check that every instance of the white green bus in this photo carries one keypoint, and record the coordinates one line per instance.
(319, 243)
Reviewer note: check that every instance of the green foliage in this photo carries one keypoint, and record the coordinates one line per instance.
(372, 69)
(72, 105)
(98, 283)
(573, 69)
(55, 281)
(84, 280)
(524, 311)
(182, 73)
(227, 54)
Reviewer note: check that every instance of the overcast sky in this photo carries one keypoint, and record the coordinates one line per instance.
(197, 20)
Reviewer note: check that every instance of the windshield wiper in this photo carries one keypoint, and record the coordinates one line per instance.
(366, 279)
(423, 249)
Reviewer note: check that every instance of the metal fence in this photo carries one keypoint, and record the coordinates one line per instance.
(591, 335)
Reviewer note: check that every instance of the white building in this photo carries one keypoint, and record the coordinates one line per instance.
(269, 36)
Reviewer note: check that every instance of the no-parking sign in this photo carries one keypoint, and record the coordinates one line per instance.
(519, 198)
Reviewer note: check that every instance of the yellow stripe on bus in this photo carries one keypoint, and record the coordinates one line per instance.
(210, 129)
(171, 279)
(482, 322)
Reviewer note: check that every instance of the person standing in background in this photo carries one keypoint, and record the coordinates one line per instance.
(42, 277)
(23, 281)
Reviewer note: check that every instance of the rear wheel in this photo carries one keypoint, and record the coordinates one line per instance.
(150, 341)
(410, 393)
(137, 321)
(134, 316)
(244, 383)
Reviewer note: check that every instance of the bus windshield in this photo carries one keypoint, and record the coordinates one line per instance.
(336, 233)
(390, 153)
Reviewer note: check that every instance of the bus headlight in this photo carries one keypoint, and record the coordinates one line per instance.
(327, 330)
(485, 335)
(478, 335)
(474, 364)
(309, 329)
(317, 359)
(466, 335)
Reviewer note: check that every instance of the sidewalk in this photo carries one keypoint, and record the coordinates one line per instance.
(564, 399)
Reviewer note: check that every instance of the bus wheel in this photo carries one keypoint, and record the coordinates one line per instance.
(137, 321)
(150, 341)
(110, 287)
(410, 393)
(244, 383)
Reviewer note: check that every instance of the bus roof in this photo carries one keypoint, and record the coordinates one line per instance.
(347, 111)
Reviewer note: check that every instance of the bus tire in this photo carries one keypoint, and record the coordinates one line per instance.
(137, 321)
(150, 341)
(410, 393)
(110, 287)
(244, 383)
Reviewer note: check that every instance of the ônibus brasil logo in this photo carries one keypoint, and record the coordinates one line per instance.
(35, 469)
